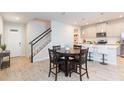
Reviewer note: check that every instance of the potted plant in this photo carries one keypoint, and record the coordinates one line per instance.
(89, 42)
(118, 42)
(3, 47)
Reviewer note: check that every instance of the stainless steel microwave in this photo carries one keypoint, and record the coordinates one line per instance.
(101, 34)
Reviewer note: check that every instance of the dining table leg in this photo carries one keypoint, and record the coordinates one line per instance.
(66, 66)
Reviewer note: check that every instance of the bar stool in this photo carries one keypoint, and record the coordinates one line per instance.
(89, 56)
(103, 60)
(103, 52)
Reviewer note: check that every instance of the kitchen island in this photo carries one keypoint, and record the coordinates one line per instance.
(110, 52)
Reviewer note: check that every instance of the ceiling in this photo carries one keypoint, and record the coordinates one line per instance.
(72, 18)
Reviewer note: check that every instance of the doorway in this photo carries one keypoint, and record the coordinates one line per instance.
(14, 38)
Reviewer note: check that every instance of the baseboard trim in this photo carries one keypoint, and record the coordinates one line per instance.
(40, 59)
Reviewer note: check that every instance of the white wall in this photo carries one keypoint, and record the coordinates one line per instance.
(22, 32)
(113, 29)
(35, 28)
(62, 34)
(43, 54)
(1, 28)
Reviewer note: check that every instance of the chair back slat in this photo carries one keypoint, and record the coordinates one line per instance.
(56, 47)
(76, 46)
(53, 56)
(83, 55)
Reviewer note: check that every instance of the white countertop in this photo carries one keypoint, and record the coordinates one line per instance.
(102, 45)
(109, 50)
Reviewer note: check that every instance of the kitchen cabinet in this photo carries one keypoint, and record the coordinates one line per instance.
(110, 52)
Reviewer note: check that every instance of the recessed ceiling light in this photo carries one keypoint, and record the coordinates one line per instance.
(121, 16)
(17, 18)
(83, 32)
(102, 30)
(86, 23)
(100, 20)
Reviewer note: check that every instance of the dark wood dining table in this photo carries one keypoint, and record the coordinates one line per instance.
(67, 53)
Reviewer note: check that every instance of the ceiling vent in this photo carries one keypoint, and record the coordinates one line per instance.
(14, 30)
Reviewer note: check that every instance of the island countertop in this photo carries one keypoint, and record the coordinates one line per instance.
(109, 50)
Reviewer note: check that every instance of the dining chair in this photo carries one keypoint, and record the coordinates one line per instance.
(56, 47)
(54, 59)
(77, 46)
(79, 63)
(75, 56)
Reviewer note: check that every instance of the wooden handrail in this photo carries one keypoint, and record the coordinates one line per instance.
(39, 36)
(37, 40)
(42, 37)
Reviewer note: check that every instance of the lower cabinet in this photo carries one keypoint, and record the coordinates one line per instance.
(109, 51)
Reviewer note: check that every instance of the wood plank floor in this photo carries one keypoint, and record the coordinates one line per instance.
(22, 70)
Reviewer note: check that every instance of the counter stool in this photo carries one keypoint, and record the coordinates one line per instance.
(103, 52)
(89, 59)
(103, 60)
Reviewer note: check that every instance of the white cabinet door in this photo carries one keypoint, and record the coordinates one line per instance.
(112, 56)
(90, 32)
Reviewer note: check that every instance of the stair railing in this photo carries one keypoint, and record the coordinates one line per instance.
(36, 40)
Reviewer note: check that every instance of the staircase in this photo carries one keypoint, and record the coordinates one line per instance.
(40, 42)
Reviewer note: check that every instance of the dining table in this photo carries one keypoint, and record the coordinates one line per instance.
(67, 54)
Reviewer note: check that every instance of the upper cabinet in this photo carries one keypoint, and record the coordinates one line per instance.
(114, 29)
(89, 32)
(101, 27)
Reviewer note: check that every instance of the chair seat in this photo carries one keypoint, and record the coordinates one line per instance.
(63, 58)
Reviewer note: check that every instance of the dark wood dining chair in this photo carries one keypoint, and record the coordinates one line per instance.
(75, 57)
(79, 63)
(76, 46)
(54, 63)
(56, 47)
